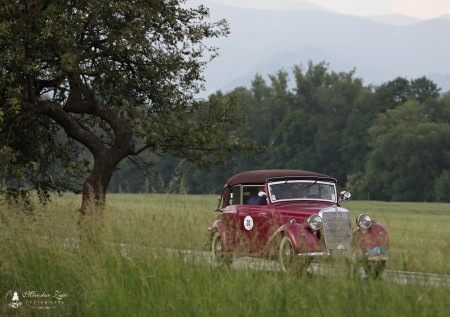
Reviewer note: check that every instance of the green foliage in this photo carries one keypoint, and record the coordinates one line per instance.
(441, 190)
(409, 153)
(388, 142)
(119, 78)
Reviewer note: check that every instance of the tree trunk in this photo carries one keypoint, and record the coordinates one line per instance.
(95, 186)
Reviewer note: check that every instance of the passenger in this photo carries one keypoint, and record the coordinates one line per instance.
(261, 199)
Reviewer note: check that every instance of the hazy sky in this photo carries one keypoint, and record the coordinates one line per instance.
(424, 9)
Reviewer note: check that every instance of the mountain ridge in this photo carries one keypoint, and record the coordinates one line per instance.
(263, 42)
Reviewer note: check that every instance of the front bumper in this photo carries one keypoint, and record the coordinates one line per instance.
(375, 254)
(313, 254)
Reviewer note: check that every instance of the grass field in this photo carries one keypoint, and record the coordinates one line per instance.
(94, 279)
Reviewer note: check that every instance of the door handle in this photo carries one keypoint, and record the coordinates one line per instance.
(264, 214)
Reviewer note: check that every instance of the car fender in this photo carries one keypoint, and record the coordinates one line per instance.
(375, 238)
(303, 240)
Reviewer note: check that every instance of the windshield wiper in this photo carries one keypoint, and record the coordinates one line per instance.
(309, 185)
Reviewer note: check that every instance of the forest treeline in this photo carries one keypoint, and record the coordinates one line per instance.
(386, 142)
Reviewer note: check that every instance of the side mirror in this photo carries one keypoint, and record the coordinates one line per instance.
(219, 200)
(345, 195)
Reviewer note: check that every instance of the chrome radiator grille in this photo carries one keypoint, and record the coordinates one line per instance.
(337, 228)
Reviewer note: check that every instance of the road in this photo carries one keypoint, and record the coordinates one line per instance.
(400, 277)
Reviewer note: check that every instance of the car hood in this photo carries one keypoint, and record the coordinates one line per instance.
(301, 211)
(302, 207)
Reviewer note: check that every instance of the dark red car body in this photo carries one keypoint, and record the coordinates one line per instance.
(274, 214)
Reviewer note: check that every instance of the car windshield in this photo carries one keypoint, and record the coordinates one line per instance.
(302, 190)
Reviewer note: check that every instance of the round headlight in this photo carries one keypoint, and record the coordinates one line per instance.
(364, 221)
(315, 222)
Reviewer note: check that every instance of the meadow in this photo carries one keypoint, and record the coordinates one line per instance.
(56, 274)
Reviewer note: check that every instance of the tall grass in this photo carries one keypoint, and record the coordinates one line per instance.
(41, 253)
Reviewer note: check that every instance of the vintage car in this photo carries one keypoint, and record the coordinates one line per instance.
(295, 217)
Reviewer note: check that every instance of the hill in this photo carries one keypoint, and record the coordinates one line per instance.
(380, 49)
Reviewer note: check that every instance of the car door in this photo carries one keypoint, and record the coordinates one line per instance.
(248, 225)
(254, 225)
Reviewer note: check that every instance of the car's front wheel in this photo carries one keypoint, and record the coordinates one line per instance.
(374, 269)
(219, 256)
(285, 253)
(288, 259)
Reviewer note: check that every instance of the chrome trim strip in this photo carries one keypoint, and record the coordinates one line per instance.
(313, 254)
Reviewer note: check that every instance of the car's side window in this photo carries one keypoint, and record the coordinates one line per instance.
(251, 195)
(235, 195)
(248, 192)
(247, 195)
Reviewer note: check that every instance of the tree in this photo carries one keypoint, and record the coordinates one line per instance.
(310, 136)
(441, 190)
(409, 154)
(118, 77)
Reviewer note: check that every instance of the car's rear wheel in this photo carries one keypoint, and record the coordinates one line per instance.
(374, 269)
(219, 256)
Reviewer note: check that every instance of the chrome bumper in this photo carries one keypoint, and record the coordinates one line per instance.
(370, 256)
(314, 254)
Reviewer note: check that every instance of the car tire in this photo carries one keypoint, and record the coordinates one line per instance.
(285, 253)
(289, 261)
(219, 256)
(374, 269)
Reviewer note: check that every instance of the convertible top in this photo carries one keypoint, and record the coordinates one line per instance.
(261, 176)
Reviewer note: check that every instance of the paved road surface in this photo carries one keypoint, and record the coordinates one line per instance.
(401, 277)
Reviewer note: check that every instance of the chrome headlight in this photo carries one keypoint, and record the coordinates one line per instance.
(364, 221)
(315, 222)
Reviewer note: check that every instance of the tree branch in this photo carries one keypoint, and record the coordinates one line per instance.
(65, 120)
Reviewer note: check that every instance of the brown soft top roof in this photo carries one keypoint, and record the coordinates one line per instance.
(260, 176)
